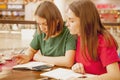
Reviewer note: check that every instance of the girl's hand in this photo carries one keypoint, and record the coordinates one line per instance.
(21, 58)
(79, 68)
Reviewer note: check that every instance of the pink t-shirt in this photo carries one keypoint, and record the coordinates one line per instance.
(107, 55)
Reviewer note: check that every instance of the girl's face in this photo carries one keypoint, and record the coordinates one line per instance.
(73, 23)
(42, 24)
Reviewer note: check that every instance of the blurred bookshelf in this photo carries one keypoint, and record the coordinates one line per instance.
(16, 34)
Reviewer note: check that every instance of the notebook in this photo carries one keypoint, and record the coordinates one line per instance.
(33, 66)
(64, 74)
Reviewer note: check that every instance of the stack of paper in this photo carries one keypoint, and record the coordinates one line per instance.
(64, 74)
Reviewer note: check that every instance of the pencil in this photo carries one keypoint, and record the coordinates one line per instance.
(21, 51)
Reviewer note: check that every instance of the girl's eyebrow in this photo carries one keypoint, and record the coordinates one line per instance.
(71, 18)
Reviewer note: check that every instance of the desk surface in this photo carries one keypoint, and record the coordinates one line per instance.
(21, 74)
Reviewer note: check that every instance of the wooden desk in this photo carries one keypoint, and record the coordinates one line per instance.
(22, 74)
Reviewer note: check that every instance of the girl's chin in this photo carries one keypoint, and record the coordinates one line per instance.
(73, 33)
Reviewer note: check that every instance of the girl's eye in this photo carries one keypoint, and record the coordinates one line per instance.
(45, 24)
(71, 21)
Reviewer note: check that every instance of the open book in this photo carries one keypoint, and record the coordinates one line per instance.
(64, 74)
(34, 66)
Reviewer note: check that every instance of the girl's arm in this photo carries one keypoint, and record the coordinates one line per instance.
(66, 61)
(24, 58)
(113, 73)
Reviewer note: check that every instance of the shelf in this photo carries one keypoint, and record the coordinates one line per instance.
(17, 22)
(11, 9)
(111, 24)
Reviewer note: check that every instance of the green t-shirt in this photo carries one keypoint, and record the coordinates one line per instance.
(56, 46)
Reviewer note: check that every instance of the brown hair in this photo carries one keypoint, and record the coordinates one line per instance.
(50, 12)
(90, 27)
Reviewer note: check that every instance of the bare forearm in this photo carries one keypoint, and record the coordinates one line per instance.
(102, 77)
(113, 73)
(66, 60)
(59, 61)
(30, 52)
(112, 76)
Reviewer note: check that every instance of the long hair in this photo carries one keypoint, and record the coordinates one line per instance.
(90, 27)
(50, 12)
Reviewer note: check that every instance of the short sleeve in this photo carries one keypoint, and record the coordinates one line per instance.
(71, 42)
(35, 43)
(107, 54)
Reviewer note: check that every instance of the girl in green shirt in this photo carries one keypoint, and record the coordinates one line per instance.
(52, 39)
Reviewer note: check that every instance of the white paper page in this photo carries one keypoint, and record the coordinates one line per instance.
(63, 74)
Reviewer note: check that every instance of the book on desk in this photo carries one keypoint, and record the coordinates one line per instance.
(64, 74)
(34, 66)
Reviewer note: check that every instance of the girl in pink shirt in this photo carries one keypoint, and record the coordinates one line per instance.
(96, 51)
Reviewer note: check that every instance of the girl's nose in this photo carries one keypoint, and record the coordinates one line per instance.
(67, 24)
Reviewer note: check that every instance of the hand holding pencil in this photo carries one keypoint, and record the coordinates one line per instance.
(21, 58)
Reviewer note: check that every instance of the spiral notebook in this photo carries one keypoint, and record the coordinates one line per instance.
(64, 74)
